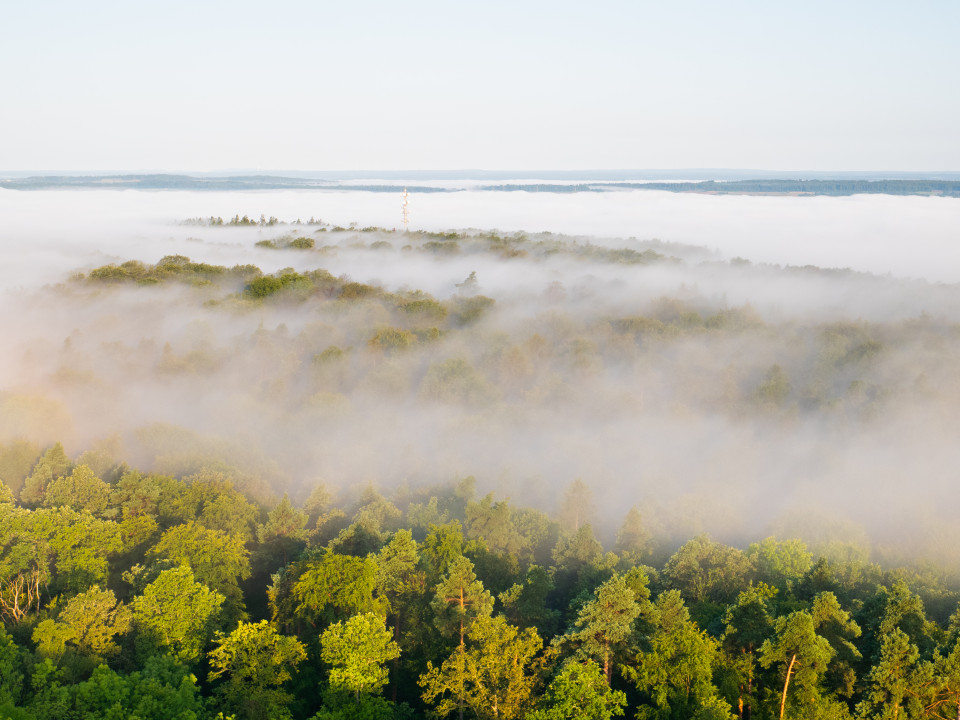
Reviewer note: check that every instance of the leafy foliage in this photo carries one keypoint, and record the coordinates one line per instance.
(357, 651)
(255, 661)
(176, 614)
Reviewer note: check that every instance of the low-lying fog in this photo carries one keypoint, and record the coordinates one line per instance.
(914, 237)
(711, 385)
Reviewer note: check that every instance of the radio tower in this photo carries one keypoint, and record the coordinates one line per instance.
(406, 209)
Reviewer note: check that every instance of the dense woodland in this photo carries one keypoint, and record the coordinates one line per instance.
(167, 572)
(126, 594)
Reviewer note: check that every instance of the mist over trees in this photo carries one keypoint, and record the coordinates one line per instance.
(483, 474)
(186, 597)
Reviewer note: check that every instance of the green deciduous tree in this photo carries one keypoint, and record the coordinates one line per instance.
(904, 610)
(138, 494)
(162, 689)
(402, 583)
(492, 522)
(11, 670)
(456, 381)
(775, 388)
(578, 550)
(58, 549)
(397, 567)
(80, 490)
(217, 559)
(337, 586)
(939, 687)
(780, 562)
(48, 698)
(254, 661)
(6, 495)
(91, 621)
(357, 651)
(705, 570)
(53, 463)
(209, 498)
(580, 692)
(835, 625)
(177, 614)
(17, 459)
(634, 540)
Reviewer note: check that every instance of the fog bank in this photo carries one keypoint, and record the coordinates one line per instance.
(661, 350)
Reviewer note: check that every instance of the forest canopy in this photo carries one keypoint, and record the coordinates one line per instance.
(125, 594)
(493, 475)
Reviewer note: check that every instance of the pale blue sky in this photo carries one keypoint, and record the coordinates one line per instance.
(205, 85)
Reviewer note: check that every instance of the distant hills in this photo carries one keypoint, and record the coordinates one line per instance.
(943, 184)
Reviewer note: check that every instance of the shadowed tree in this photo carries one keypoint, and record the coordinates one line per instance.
(747, 624)
(676, 673)
(11, 671)
(402, 584)
(526, 603)
(162, 688)
(284, 534)
(835, 624)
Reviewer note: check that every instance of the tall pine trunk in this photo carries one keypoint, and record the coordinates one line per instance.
(783, 700)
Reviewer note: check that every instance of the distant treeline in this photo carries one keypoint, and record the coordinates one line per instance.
(948, 188)
(811, 187)
(188, 182)
(754, 187)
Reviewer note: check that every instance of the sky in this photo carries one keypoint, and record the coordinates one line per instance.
(317, 85)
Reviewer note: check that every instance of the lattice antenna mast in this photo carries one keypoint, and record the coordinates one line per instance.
(406, 209)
